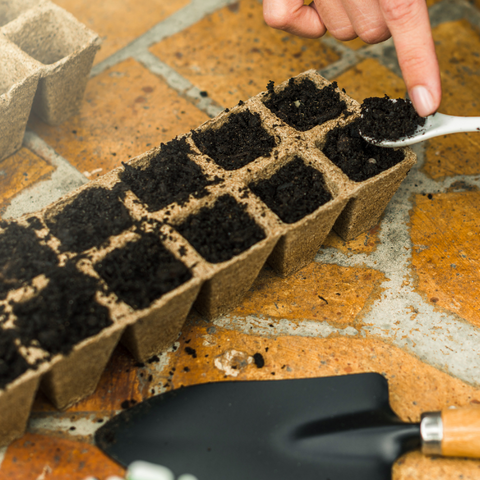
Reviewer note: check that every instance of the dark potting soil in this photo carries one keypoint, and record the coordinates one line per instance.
(22, 257)
(303, 105)
(90, 219)
(142, 271)
(12, 364)
(170, 177)
(63, 314)
(238, 142)
(295, 191)
(358, 159)
(221, 232)
(384, 119)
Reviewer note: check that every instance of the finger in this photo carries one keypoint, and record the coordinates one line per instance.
(409, 25)
(335, 18)
(367, 20)
(293, 17)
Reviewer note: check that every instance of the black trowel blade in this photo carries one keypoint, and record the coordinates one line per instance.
(335, 428)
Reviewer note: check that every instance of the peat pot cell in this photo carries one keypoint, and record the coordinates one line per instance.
(358, 159)
(12, 364)
(63, 313)
(294, 191)
(11, 9)
(13, 69)
(238, 142)
(303, 105)
(169, 177)
(90, 219)
(22, 257)
(221, 232)
(142, 271)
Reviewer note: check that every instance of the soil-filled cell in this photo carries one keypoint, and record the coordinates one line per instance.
(12, 364)
(142, 271)
(63, 313)
(303, 105)
(294, 191)
(22, 257)
(358, 159)
(238, 142)
(90, 219)
(170, 177)
(221, 232)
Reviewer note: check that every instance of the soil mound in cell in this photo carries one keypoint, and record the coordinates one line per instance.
(93, 216)
(221, 232)
(12, 364)
(303, 105)
(295, 191)
(238, 142)
(62, 314)
(387, 119)
(358, 159)
(170, 177)
(22, 257)
(142, 271)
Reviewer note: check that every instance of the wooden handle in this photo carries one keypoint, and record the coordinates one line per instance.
(461, 432)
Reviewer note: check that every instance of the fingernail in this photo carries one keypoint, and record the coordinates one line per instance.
(422, 100)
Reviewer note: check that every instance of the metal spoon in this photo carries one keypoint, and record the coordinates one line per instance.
(435, 125)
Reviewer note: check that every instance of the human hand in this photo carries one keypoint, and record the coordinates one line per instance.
(373, 21)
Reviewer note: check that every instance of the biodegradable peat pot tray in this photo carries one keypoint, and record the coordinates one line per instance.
(19, 76)
(60, 46)
(190, 223)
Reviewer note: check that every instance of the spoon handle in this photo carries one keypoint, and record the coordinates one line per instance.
(444, 124)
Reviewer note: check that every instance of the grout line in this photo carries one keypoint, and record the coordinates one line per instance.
(3, 451)
(195, 11)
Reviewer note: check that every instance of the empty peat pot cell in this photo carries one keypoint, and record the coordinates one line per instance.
(387, 119)
(63, 313)
(12, 364)
(93, 216)
(303, 105)
(170, 177)
(358, 159)
(238, 142)
(142, 271)
(221, 232)
(294, 191)
(22, 257)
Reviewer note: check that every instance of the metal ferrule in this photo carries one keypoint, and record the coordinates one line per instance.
(431, 431)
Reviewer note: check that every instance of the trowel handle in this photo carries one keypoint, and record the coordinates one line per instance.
(453, 432)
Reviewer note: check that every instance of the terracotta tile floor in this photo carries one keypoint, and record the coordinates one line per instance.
(402, 299)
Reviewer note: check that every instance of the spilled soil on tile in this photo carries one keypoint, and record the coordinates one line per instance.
(221, 232)
(238, 142)
(142, 271)
(358, 159)
(303, 105)
(294, 191)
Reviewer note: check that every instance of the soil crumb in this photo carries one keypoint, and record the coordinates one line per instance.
(142, 271)
(238, 142)
(259, 360)
(62, 314)
(295, 191)
(387, 119)
(12, 364)
(303, 105)
(170, 177)
(357, 158)
(22, 257)
(221, 232)
(90, 219)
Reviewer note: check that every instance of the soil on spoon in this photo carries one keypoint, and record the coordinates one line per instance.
(294, 191)
(357, 158)
(221, 232)
(142, 271)
(303, 105)
(62, 314)
(12, 364)
(170, 177)
(238, 142)
(387, 119)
